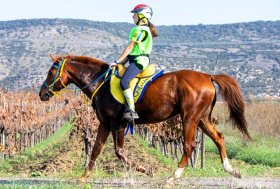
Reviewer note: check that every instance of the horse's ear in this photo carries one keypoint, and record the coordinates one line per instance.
(53, 58)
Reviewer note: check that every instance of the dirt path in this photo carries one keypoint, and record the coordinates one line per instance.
(227, 182)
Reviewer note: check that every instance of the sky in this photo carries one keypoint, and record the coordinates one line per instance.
(166, 12)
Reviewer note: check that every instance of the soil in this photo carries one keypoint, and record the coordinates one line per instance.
(190, 182)
(194, 182)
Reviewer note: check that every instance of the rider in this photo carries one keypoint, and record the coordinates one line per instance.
(137, 53)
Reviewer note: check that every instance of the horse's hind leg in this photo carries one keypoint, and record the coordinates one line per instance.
(190, 124)
(102, 135)
(118, 136)
(218, 139)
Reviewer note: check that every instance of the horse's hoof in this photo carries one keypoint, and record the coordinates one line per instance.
(82, 180)
(84, 177)
(141, 169)
(236, 173)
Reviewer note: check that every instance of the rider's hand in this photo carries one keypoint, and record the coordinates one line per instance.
(113, 64)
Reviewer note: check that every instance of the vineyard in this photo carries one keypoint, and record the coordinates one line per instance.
(25, 121)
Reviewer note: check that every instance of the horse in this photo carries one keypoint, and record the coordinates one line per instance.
(190, 94)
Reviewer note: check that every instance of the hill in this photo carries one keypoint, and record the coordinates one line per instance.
(246, 51)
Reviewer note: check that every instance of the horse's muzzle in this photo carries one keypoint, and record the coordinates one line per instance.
(44, 96)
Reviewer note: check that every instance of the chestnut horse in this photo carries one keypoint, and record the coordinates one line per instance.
(188, 93)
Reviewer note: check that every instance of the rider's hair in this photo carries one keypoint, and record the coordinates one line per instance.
(153, 29)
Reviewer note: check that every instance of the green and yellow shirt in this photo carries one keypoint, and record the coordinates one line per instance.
(142, 36)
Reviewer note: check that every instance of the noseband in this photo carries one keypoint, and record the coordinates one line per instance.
(57, 77)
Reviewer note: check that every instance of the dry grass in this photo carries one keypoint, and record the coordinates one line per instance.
(263, 117)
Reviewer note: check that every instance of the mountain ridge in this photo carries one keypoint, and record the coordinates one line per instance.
(248, 51)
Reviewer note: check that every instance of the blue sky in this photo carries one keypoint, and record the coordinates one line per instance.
(166, 12)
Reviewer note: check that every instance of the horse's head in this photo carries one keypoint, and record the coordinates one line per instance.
(56, 80)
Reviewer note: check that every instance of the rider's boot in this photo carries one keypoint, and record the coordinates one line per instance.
(129, 113)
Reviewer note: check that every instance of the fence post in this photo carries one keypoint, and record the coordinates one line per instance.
(4, 102)
(3, 143)
(202, 150)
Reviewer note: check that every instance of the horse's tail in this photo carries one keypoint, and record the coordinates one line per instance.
(231, 94)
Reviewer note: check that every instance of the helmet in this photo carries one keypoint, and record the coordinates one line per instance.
(144, 10)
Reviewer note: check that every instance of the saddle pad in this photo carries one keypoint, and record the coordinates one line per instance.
(138, 86)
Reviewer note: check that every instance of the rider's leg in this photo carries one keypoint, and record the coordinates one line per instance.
(129, 99)
(129, 74)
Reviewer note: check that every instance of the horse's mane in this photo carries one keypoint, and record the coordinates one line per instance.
(81, 59)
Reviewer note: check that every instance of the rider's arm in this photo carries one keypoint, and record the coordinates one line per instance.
(126, 52)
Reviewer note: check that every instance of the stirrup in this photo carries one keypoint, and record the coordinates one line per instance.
(134, 115)
(129, 116)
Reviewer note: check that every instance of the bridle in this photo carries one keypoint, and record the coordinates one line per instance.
(58, 76)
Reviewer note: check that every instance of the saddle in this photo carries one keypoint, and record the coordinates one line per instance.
(150, 70)
(138, 84)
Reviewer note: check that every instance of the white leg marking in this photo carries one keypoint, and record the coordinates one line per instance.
(178, 172)
(227, 167)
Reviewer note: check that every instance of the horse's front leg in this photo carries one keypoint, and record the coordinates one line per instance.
(118, 136)
(102, 135)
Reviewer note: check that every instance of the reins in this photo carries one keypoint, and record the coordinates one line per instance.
(106, 78)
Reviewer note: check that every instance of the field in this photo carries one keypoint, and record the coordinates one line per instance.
(58, 161)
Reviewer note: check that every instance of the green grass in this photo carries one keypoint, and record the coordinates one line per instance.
(167, 161)
(262, 150)
(260, 157)
(52, 140)
(257, 158)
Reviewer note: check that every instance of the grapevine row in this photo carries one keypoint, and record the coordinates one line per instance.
(26, 121)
